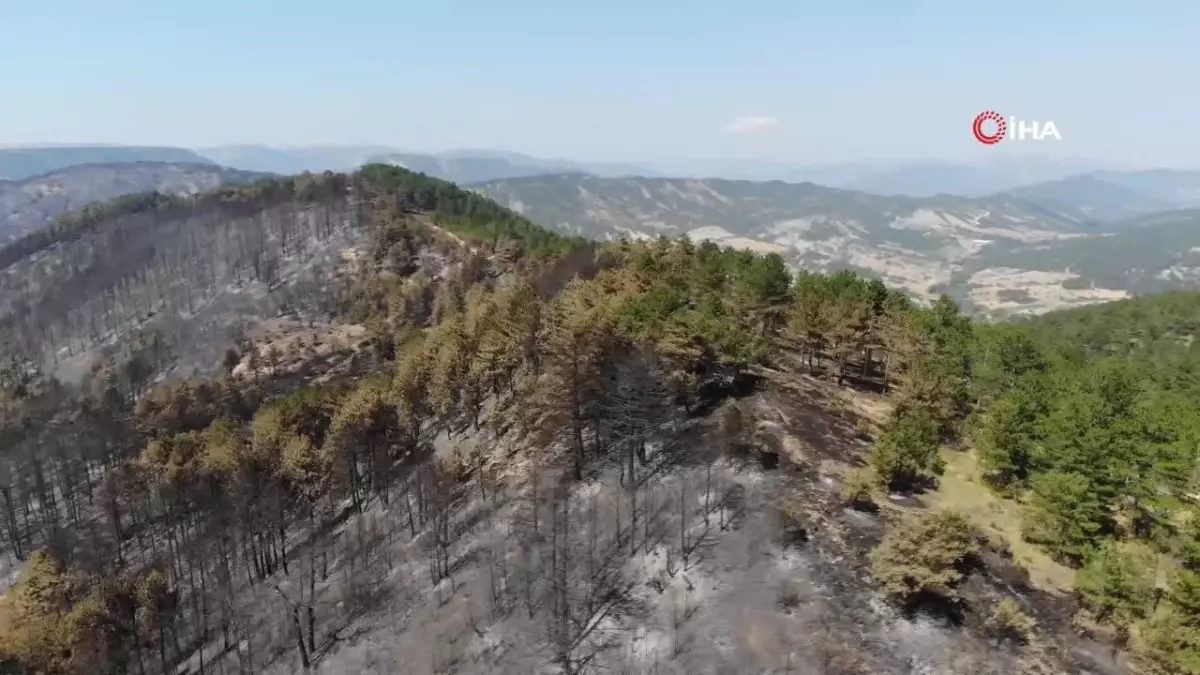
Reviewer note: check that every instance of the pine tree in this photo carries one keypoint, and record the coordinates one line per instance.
(907, 453)
(1115, 584)
(809, 320)
(1065, 514)
(575, 338)
(1010, 438)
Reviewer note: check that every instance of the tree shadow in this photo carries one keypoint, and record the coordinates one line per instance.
(937, 606)
(714, 392)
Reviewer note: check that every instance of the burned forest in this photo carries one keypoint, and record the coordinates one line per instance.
(374, 423)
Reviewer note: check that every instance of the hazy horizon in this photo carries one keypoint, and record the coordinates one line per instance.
(620, 82)
(998, 159)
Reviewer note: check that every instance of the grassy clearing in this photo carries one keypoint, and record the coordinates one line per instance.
(962, 489)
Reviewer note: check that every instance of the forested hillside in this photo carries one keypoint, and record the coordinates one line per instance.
(1094, 420)
(547, 455)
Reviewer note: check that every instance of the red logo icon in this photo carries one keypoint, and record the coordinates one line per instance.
(989, 116)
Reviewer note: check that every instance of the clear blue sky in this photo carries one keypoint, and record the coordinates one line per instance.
(613, 79)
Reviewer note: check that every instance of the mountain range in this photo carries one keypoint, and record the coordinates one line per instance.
(477, 166)
(459, 166)
(885, 177)
(1002, 254)
(1031, 248)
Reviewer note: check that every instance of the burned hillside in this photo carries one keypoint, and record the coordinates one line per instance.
(373, 423)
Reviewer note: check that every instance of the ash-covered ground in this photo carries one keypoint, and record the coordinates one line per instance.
(686, 562)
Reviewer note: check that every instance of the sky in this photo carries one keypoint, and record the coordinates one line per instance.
(617, 80)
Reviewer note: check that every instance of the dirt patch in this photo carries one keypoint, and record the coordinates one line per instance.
(878, 409)
(914, 272)
(283, 346)
(1012, 291)
(807, 420)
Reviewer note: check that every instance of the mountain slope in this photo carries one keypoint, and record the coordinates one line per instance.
(32, 203)
(912, 243)
(22, 163)
(192, 270)
(176, 271)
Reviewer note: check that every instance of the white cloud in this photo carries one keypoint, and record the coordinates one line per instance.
(751, 123)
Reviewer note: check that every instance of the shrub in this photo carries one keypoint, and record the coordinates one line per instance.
(864, 428)
(457, 466)
(926, 555)
(858, 489)
(793, 522)
(1065, 515)
(1008, 621)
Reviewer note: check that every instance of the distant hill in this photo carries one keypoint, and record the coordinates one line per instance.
(1089, 199)
(458, 166)
(467, 167)
(293, 160)
(1070, 185)
(466, 170)
(933, 179)
(541, 166)
(1177, 187)
(29, 204)
(22, 163)
(833, 174)
(926, 179)
(886, 177)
